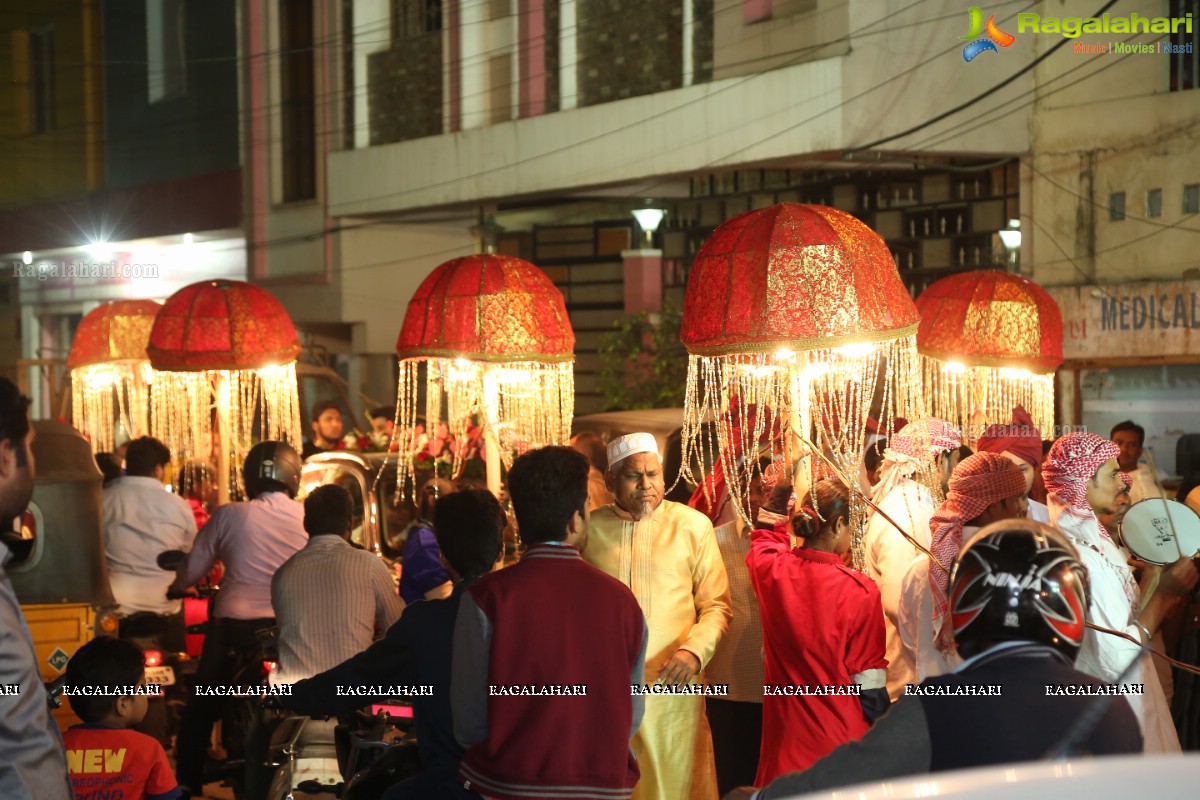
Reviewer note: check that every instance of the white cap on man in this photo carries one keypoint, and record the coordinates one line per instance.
(630, 444)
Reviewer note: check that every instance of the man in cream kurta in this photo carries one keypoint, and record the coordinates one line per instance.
(667, 555)
(903, 498)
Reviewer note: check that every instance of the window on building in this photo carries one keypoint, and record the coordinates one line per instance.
(417, 17)
(298, 107)
(1116, 206)
(762, 10)
(1154, 203)
(166, 64)
(500, 94)
(756, 11)
(42, 95)
(1191, 198)
(1185, 47)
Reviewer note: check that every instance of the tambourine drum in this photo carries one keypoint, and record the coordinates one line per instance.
(1151, 526)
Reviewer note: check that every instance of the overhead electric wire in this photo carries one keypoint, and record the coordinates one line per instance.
(152, 132)
(981, 96)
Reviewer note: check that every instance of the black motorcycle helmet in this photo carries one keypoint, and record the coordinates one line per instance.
(272, 467)
(1018, 580)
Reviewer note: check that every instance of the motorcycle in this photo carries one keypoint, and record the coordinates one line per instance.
(251, 668)
(356, 758)
(167, 664)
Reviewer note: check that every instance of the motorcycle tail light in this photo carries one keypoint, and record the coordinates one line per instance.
(403, 712)
(107, 623)
(154, 658)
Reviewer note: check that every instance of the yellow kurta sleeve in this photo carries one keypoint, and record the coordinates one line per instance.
(710, 588)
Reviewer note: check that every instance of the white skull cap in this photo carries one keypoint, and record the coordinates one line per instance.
(630, 444)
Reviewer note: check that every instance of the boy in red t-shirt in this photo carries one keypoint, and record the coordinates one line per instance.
(105, 758)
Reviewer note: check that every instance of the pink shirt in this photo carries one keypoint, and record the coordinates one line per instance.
(252, 540)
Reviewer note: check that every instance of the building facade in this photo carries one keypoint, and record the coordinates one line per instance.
(126, 179)
(380, 138)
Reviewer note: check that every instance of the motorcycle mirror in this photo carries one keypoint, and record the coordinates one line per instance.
(171, 559)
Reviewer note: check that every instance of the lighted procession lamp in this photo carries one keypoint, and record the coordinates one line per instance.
(495, 341)
(110, 373)
(795, 312)
(989, 341)
(224, 358)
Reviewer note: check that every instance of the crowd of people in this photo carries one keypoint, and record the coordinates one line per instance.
(644, 648)
(428, 445)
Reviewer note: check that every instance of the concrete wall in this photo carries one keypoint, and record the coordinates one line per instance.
(65, 162)
(886, 84)
(1107, 123)
(193, 133)
(381, 267)
(628, 48)
(658, 134)
(797, 31)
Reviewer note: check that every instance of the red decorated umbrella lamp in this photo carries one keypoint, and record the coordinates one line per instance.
(989, 341)
(224, 352)
(496, 342)
(799, 310)
(110, 373)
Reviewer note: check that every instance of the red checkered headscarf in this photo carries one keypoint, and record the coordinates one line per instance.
(977, 482)
(913, 446)
(1070, 464)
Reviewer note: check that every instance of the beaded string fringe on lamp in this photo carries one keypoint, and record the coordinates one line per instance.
(989, 341)
(796, 322)
(110, 374)
(254, 406)
(493, 334)
(534, 402)
(224, 357)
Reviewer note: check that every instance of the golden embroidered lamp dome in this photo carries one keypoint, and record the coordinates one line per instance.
(231, 346)
(487, 307)
(799, 310)
(796, 276)
(110, 373)
(497, 344)
(989, 341)
(222, 325)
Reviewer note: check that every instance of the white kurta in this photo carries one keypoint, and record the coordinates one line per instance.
(1113, 603)
(889, 556)
(916, 629)
(1038, 512)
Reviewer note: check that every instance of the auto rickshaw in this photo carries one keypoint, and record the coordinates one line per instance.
(62, 583)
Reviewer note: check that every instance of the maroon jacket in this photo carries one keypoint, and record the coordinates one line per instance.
(545, 656)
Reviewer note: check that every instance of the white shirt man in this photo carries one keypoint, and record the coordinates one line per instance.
(985, 488)
(902, 496)
(1130, 439)
(141, 521)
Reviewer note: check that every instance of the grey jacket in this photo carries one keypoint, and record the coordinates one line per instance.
(33, 764)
